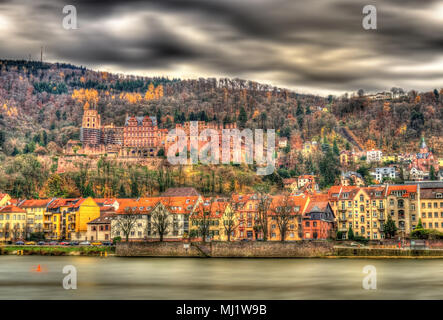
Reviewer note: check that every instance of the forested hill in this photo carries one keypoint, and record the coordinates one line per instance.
(42, 103)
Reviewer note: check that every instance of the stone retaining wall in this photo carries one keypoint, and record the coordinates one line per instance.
(228, 249)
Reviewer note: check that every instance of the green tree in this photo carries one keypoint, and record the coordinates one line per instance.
(389, 228)
(432, 174)
(350, 233)
(242, 117)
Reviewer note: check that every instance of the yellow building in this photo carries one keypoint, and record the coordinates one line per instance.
(4, 199)
(402, 204)
(36, 215)
(12, 223)
(440, 162)
(281, 206)
(228, 221)
(72, 216)
(431, 208)
(362, 209)
(208, 215)
(387, 158)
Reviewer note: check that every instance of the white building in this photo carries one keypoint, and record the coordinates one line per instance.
(384, 172)
(373, 155)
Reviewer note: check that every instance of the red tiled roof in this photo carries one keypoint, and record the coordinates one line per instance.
(11, 209)
(35, 203)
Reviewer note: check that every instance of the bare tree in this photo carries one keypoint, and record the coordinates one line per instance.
(6, 231)
(203, 216)
(261, 219)
(125, 223)
(160, 219)
(229, 218)
(282, 210)
(16, 231)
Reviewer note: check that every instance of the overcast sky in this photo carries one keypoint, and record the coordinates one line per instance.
(316, 46)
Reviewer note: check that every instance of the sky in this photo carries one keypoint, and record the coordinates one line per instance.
(315, 46)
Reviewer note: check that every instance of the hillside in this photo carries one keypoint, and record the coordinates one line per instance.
(41, 107)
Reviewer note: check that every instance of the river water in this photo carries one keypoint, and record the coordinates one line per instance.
(41, 277)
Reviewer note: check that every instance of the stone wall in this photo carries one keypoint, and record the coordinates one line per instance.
(156, 249)
(385, 252)
(228, 249)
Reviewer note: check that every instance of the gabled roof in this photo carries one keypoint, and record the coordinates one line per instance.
(104, 201)
(408, 188)
(140, 120)
(215, 208)
(296, 202)
(11, 209)
(431, 193)
(103, 219)
(336, 192)
(35, 203)
(180, 192)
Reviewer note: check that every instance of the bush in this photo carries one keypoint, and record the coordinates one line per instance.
(361, 239)
(37, 236)
(420, 233)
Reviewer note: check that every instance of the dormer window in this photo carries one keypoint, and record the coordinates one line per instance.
(439, 195)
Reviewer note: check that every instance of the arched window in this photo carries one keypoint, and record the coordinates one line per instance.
(400, 203)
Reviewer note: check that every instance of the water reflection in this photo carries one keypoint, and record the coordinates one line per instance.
(169, 278)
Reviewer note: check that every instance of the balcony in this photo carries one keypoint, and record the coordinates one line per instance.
(381, 218)
(344, 219)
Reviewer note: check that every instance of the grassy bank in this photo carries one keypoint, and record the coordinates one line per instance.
(57, 251)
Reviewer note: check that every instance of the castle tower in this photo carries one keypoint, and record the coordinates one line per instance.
(91, 126)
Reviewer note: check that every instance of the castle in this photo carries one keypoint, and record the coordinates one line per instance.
(140, 136)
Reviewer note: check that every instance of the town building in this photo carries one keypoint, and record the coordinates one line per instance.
(422, 163)
(351, 178)
(431, 205)
(36, 210)
(384, 173)
(287, 211)
(373, 155)
(362, 209)
(12, 223)
(402, 204)
(4, 199)
(319, 220)
(99, 229)
(69, 217)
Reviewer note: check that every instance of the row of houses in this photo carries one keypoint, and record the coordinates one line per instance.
(184, 213)
(178, 213)
(365, 210)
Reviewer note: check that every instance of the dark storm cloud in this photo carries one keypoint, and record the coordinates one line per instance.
(314, 45)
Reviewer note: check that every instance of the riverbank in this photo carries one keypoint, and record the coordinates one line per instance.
(57, 250)
(301, 249)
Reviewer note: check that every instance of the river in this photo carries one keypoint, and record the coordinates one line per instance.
(41, 277)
